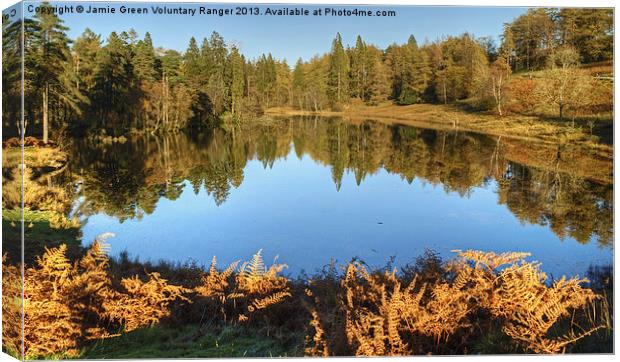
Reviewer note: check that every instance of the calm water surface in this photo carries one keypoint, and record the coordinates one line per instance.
(312, 190)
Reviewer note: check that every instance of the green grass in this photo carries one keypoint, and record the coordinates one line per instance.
(189, 341)
(38, 232)
(37, 226)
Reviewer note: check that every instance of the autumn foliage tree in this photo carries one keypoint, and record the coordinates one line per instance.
(564, 85)
(498, 78)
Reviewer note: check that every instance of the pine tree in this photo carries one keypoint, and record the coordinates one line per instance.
(115, 93)
(299, 84)
(171, 64)
(338, 74)
(266, 79)
(284, 86)
(144, 59)
(507, 48)
(379, 88)
(216, 86)
(11, 75)
(534, 38)
(85, 51)
(409, 94)
(359, 70)
(192, 65)
(50, 50)
(237, 79)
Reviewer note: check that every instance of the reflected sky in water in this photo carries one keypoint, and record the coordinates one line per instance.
(294, 209)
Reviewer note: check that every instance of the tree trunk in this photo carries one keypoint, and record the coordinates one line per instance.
(445, 95)
(499, 98)
(77, 73)
(45, 114)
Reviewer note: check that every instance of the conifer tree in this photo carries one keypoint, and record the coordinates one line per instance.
(192, 65)
(50, 51)
(115, 91)
(360, 62)
(237, 79)
(266, 78)
(338, 76)
(299, 84)
(85, 51)
(216, 86)
(413, 82)
(11, 76)
(144, 59)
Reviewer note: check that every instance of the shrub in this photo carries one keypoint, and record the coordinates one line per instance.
(68, 303)
(521, 95)
(247, 292)
(381, 316)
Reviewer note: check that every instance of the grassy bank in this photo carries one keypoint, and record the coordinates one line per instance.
(191, 341)
(439, 116)
(46, 204)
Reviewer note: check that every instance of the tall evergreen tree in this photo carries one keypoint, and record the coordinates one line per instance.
(266, 78)
(338, 74)
(216, 87)
(360, 63)
(85, 51)
(413, 82)
(50, 49)
(237, 79)
(507, 48)
(11, 76)
(299, 84)
(534, 38)
(144, 59)
(192, 65)
(115, 93)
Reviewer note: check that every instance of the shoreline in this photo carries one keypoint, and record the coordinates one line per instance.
(448, 117)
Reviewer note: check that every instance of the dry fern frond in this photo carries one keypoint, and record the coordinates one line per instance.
(253, 288)
(275, 298)
(320, 346)
(382, 318)
(257, 287)
(519, 295)
(492, 260)
(215, 283)
(532, 312)
(52, 319)
(11, 308)
(143, 303)
(67, 303)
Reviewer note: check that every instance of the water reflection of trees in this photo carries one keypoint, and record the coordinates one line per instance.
(126, 180)
(569, 205)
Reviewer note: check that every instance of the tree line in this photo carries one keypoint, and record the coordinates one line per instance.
(126, 84)
(554, 42)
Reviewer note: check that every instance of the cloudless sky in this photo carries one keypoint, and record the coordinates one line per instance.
(291, 37)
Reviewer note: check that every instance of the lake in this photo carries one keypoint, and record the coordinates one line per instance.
(311, 190)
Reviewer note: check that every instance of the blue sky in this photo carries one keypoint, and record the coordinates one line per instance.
(292, 37)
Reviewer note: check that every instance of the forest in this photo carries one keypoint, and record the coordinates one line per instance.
(550, 63)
